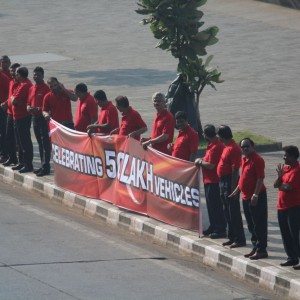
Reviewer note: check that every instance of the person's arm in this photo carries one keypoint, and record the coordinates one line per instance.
(159, 139)
(114, 131)
(204, 164)
(138, 132)
(70, 94)
(234, 179)
(258, 186)
(235, 192)
(284, 187)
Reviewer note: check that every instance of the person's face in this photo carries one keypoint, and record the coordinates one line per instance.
(100, 103)
(54, 86)
(288, 160)
(246, 147)
(80, 95)
(180, 124)
(18, 77)
(159, 104)
(120, 108)
(38, 77)
(5, 63)
(13, 72)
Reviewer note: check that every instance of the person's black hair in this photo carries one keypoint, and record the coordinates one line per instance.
(22, 71)
(224, 132)
(210, 130)
(5, 57)
(81, 87)
(249, 140)
(181, 115)
(39, 70)
(100, 95)
(122, 101)
(15, 65)
(291, 151)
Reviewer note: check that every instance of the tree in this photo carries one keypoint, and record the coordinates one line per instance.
(177, 23)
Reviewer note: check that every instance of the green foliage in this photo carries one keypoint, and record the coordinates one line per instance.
(176, 24)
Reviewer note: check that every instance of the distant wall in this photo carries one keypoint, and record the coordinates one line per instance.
(289, 3)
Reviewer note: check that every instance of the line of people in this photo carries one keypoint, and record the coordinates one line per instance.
(23, 102)
(221, 164)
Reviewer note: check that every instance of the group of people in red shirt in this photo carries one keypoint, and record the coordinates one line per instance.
(229, 170)
(23, 103)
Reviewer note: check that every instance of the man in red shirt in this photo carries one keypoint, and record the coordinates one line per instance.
(163, 126)
(132, 124)
(86, 110)
(288, 205)
(108, 119)
(22, 120)
(10, 141)
(187, 141)
(254, 198)
(228, 172)
(4, 87)
(209, 163)
(57, 103)
(34, 106)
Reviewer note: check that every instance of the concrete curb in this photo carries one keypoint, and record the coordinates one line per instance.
(187, 242)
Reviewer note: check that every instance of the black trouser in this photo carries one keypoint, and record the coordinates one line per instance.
(257, 221)
(68, 124)
(40, 128)
(214, 208)
(232, 212)
(24, 142)
(10, 139)
(3, 121)
(289, 224)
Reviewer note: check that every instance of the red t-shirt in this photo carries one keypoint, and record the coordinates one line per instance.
(59, 107)
(7, 73)
(186, 144)
(253, 168)
(36, 96)
(163, 123)
(86, 113)
(212, 155)
(291, 198)
(131, 121)
(4, 87)
(108, 115)
(230, 159)
(12, 87)
(21, 96)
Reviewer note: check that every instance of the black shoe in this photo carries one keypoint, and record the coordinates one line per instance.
(228, 243)
(9, 162)
(252, 252)
(296, 267)
(218, 235)
(207, 232)
(237, 245)
(43, 172)
(17, 167)
(26, 169)
(290, 262)
(37, 170)
(259, 255)
(3, 159)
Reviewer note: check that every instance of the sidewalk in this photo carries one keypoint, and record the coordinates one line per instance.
(265, 272)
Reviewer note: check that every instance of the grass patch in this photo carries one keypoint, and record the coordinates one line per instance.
(239, 135)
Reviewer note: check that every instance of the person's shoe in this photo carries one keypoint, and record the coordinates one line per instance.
(252, 252)
(207, 232)
(37, 170)
(296, 267)
(237, 245)
(43, 172)
(228, 243)
(218, 235)
(3, 159)
(17, 167)
(259, 255)
(26, 169)
(9, 162)
(290, 262)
